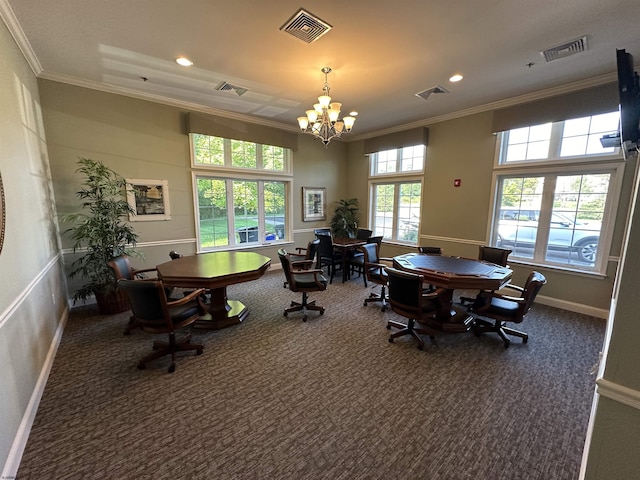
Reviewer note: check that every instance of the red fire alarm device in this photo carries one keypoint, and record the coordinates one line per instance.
(457, 182)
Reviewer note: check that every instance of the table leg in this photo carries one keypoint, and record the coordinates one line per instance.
(452, 320)
(222, 311)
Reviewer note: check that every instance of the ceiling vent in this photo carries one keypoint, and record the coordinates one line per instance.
(566, 49)
(227, 87)
(306, 26)
(430, 91)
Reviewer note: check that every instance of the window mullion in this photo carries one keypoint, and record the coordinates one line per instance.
(230, 210)
(261, 224)
(544, 221)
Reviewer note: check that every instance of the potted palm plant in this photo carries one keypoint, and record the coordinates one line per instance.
(101, 231)
(344, 222)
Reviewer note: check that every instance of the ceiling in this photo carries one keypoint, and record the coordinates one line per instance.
(382, 53)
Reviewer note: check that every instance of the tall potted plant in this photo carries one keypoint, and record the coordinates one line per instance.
(102, 233)
(344, 222)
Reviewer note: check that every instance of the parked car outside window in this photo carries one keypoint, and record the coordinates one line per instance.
(518, 228)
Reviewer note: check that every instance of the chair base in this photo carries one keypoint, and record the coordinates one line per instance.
(304, 306)
(482, 326)
(160, 349)
(382, 297)
(409, 329)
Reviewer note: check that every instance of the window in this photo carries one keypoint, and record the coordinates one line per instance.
(556, 191)
(242, 192)
(395, 193)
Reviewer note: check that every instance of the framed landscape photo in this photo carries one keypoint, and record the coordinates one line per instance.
(149, 199)
(313, 204)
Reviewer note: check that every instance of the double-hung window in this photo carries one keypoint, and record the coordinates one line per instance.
(556, 192)
(395, 192)
(242, 192)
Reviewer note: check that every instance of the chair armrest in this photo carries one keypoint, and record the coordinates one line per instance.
(301, 264)
(187, 298)
(141, 272)
(514, 287)
(434, 294)
(316, 273)
(298, 255)
(300, 250)
(508, 297)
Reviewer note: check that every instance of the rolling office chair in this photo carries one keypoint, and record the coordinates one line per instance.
(302, 253)
(302, 278)
(493, 310)
(375, 272)
(153, 313)
(408, 299)
(496, 255)
(122, 269)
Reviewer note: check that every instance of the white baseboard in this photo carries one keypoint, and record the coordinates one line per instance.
(12, 464)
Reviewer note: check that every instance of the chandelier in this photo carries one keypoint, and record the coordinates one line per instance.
(323, 121)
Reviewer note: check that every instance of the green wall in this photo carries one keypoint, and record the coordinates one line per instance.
(141, 139)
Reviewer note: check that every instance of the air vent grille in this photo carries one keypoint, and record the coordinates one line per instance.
(306, 26)
(566, 49)
(430, 91)
(227, 87)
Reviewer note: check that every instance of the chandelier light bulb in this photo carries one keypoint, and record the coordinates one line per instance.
(312, 115)
(303, 122)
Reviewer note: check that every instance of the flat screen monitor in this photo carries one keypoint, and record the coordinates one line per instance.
(629, 92)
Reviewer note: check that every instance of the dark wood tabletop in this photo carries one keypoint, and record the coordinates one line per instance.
(215, 271)
(453, 273)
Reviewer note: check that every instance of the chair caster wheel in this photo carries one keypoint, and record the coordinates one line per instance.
(420, 347)
(141, 366)
(364, 303)
(304, 319)
(525, 340)
(322, 312)
(391, 340)
(172, 368)
(285, 313)
(388, 327)
(199, 351)
(383, 309)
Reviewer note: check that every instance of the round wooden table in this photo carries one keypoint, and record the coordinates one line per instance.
(215, 271)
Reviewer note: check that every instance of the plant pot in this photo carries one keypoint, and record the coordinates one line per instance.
(112, 302)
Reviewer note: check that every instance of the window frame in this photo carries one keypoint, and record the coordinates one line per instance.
(397, 179)
(552, 167)
(229, 174)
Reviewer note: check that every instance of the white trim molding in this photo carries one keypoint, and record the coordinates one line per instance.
(618, 393)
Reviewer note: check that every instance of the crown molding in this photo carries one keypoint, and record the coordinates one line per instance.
(19, 37)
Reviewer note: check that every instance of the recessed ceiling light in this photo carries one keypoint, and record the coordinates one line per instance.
(184, 61)
(353, 114)
(456, 78)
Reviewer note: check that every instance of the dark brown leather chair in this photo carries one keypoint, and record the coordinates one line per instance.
(430, 250)
(374, 271)
(408, 299)
(122, 269)
(302, 278)
(493, 310)
(495, 255)
(153, 313)
(308, 253)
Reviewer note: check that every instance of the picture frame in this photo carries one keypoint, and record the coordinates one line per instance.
(149, 199)
(314, 205)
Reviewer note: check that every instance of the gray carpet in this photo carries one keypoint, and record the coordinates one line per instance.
(277, 398)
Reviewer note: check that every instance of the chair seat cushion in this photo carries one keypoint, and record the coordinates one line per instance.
(377, 273)
(182, 312)
(503, 307)
(307, 280)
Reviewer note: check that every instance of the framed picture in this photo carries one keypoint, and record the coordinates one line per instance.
(149, 199)
(313, 204)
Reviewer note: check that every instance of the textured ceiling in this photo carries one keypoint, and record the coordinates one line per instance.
(382, 53)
